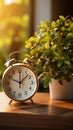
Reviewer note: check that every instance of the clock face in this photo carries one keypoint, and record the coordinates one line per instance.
(19, 82)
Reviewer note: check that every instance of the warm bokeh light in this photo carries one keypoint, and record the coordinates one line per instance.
(14, 28)
(9, 1)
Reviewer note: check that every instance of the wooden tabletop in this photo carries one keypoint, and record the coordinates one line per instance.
(44, 113)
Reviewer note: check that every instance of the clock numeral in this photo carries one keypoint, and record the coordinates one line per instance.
(30, 88)
(31, 82)
(10, 76)
(19, 70)
(14, 92)
(9, 89)
(19, 95)
(7, 83)
(29, 76)
(25, 93)
(13, 72)
(25, 72)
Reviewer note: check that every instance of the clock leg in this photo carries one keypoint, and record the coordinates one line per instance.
(32, 101)
(10, 101)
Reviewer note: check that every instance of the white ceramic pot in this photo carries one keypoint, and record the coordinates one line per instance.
(62, 92)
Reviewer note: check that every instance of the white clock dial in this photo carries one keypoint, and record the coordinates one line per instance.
(19, 82)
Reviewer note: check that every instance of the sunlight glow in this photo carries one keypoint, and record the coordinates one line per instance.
(7, 2)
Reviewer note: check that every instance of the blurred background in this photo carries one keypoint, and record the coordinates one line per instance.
(19, 20)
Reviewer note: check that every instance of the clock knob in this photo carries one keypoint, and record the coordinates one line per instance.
(9, 62)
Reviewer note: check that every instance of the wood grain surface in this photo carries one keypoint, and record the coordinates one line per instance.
(43, 114)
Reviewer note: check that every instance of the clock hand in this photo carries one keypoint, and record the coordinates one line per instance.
(19, 82)
(24, 78)
(15, 80)
(20, 71)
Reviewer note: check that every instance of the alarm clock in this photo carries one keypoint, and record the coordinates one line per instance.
(19, 80)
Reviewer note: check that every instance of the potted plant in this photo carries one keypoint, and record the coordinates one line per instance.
(50, 52)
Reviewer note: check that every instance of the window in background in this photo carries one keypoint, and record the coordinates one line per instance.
(14, 22)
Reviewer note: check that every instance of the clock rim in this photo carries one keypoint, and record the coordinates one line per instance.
(4, 76)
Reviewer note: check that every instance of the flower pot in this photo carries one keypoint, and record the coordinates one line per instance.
(62, 92)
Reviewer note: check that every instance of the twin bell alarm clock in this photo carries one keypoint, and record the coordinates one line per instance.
(19, 80)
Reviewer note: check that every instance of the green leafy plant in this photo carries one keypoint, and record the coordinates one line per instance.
(50, 52)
